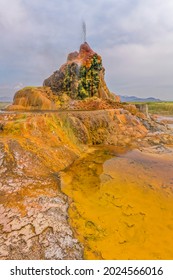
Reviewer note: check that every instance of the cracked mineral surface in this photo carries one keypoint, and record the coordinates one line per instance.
(33, 210)
(39, 221)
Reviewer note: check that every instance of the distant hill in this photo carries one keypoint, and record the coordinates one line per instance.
(138, 99)
(5, 99)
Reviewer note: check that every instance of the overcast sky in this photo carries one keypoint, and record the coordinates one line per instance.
(134, 38)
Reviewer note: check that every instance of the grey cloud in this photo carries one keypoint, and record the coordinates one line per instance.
(134, 38)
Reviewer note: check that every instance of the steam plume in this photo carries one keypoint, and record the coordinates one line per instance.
(84, 30)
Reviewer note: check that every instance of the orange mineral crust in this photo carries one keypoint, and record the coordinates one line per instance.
(125, 209)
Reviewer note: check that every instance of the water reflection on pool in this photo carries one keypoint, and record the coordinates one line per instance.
(122, 206)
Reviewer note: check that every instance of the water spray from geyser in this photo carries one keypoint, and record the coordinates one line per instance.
(84, 30)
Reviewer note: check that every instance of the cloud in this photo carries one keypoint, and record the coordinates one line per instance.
(134, 37)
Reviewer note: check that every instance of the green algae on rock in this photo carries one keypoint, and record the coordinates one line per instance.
(81, 76)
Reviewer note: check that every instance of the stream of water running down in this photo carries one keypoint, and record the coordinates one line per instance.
(122, 205)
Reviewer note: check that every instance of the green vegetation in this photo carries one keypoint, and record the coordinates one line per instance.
(160, 108)
(89, 79)
(86, 77)
(4, 104)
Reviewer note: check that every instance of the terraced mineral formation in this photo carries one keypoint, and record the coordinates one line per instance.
(80, 78)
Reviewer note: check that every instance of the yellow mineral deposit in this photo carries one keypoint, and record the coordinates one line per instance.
(125, 210)
(120, 202)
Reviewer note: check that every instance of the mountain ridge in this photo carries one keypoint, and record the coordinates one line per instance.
(125, 98)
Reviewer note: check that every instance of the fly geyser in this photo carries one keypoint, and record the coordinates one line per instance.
(68, 187)
(80, 78)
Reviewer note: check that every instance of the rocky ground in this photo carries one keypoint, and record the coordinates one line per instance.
(33, 212)
(34, 149)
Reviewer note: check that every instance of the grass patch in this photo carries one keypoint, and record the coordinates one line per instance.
(160, 108)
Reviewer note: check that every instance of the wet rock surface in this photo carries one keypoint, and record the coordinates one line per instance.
(111, 127)
(33, 211)
(81, 76)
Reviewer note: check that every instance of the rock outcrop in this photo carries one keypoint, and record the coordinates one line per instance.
(33, 98)
(80, 78)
